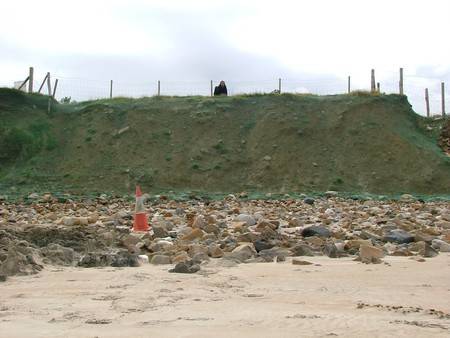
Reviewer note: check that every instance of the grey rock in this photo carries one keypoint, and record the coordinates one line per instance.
(186, 267)
(124, 258)
(262, 245)
(302, 250)
(440, 245)
(200, 257)
(160, 260)
(160, 232)
(241, 253)
(309, 200)
(249, 219)
(331, 250)
(59, 255)
(316, 230)
(119, 259)
(398, 236)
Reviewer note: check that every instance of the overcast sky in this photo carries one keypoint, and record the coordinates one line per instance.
(313, 43)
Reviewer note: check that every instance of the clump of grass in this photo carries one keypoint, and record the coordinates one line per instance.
(23, 143)
(220, 147)
(364, 93)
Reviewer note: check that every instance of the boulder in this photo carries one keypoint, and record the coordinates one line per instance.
(185, 267)
(160, 260)
(210, 228)
(316, 230)
(440, 245)
(330, 250)
(248, 219)
(200, 257)
(309, 200)
(194, 234)
(302, 250)
(180, 257)
(58, 255)
(262, 245)
(356, 243)
(242, 252)
(398, 236)
(159, 231)
(370, 254)
(215, 251)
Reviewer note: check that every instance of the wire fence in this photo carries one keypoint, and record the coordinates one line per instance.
(79, 89)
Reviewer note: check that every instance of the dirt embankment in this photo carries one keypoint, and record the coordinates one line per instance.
(444, 140)
(264, 143)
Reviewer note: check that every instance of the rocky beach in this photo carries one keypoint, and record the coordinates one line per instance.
(198, 240)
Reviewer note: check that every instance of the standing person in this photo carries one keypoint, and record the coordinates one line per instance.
(221, 89)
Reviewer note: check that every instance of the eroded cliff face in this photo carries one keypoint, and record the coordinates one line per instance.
(444, 141)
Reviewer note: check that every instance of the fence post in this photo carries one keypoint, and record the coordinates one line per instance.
(43, 82)
(31, 78)
(378, 88)
(23, 83)
(49, 85)
(159, 88)
(348, 85)
(427, 102)
(211, 87)
(110, 89)
(279, 86)
(443, 98)
(400, 83)
(54, 88)
(372, 81)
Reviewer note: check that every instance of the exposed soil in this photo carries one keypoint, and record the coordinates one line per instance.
(444, 140)
(264, 143)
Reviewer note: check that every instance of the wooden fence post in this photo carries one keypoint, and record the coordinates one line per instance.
(400, 83)
(443, 98)
(427, 102)
(279, 86)
(49, 85)
(23, 83)
(211, 88)
(30, 80)
(159, 88)
(372, 81)
(110, 89)
(348, 85)
(54, 88)
(43, 82)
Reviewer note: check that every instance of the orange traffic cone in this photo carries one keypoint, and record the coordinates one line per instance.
(140, 217)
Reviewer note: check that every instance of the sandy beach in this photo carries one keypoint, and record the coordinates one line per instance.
(332, 297)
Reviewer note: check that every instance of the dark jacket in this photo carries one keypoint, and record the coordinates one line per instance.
(220, 90)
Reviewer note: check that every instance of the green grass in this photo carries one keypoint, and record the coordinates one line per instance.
(362, 143)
